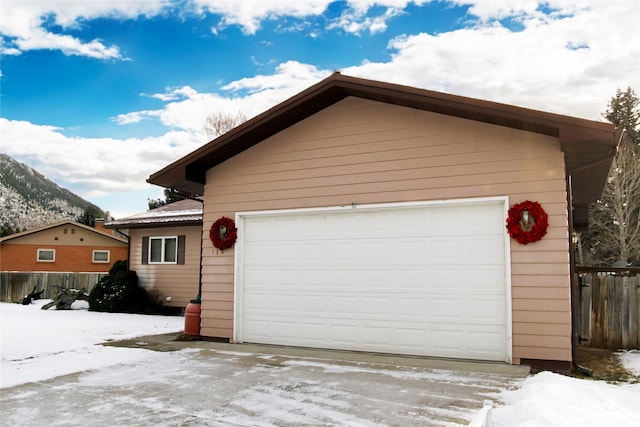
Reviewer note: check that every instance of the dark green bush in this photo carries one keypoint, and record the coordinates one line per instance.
(119, 292)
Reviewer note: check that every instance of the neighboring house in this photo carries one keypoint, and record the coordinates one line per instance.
(165, 249)
(66, 246)
(371, 216)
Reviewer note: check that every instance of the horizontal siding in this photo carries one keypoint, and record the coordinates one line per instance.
(365, 152)
(534, 329)
(541, 292)
(179, 282)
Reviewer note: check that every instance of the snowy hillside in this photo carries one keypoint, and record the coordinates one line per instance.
(28, 199)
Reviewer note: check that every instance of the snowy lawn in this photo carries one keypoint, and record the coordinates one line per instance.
(38, 345)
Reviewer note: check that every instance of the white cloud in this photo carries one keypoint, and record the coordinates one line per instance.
(130, 118)
(93, 167)
(526, 10)
(249, 14)
(186, 109)
(174, 94)
(356, 19)
(291, 74)
(68, 45)
(538, 67)
(21, 24)
(22, 21)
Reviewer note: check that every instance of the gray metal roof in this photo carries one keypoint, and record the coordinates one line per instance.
(184, 212)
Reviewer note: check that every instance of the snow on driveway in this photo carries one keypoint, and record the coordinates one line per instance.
(53, 373)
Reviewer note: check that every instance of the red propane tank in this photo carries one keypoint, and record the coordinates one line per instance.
(192, 319)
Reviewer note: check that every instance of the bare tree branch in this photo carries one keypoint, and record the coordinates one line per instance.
(222, 122)
(614, 220)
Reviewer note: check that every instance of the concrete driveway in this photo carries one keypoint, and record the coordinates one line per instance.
(216, 384)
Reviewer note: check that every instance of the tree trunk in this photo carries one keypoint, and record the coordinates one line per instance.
(65, 298)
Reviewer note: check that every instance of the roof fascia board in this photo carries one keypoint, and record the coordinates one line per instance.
(60, 224)
(117, 225)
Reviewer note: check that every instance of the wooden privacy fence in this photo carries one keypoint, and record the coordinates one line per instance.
(14, 286)
(609, 307)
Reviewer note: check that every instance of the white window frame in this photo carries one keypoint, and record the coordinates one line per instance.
(93, 256)
(53, 251)
(163, 255)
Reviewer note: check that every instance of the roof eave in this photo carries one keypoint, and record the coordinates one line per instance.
(58, 224)
(159, 224)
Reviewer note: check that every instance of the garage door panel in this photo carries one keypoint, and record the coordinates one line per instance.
(482, 344)
(485, 310)
(410, 281)
(446, 340)
(344, 335)
(410, 308)
(488, 280)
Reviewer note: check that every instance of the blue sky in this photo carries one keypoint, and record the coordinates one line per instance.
(98, 95)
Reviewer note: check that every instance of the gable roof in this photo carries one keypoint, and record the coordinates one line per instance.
(183, 212)
(589, 146)
(59, 224)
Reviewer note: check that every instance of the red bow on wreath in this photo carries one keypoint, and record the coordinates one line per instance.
(223, 233)
(527, 222)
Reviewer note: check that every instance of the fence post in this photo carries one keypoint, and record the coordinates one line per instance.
(585, 282)
(634, 312)
(596, 330)
(624, 313)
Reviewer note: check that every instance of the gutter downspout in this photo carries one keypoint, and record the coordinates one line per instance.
(575, 301)
(199, 297)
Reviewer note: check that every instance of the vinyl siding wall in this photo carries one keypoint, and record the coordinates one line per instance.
(178, 281)
(364, 152)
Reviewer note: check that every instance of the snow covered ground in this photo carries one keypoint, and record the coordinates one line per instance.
(38, 345)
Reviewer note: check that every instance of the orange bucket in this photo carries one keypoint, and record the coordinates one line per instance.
(192, 319)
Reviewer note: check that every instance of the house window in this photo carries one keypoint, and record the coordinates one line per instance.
(46, 255)
(101, 256)
(163, 250)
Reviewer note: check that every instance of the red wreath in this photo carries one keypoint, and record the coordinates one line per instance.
(223, 233)
(537, 228)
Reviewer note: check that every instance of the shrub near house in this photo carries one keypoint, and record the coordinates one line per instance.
(119, 292)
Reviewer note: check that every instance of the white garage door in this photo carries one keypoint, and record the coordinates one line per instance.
(413, 279)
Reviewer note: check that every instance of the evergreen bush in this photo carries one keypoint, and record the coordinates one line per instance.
(119, 292)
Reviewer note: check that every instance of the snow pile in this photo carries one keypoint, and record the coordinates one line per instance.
(41, 344)
(631, 361)
(549, 400)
